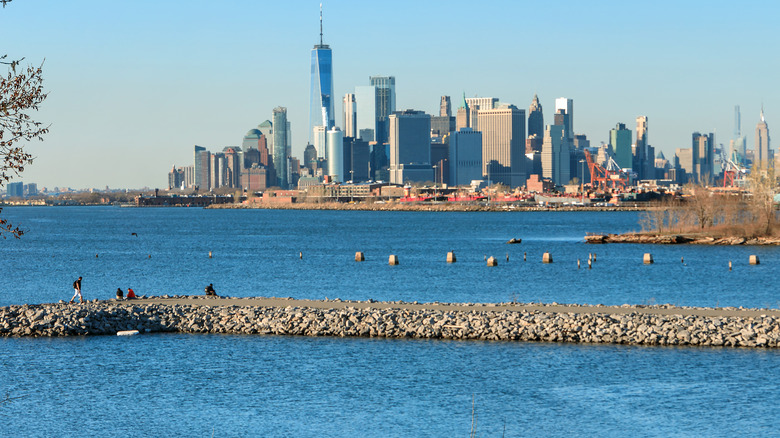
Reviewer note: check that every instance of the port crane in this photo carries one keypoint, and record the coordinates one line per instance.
(733, 173)
(609, 177)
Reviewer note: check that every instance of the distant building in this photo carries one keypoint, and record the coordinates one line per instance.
(280, 153)
(310, 157)
(555, 155)
(233, 166)
(175, 178)
(581, 141)
(764, 151)
(445, 107)
(567, 105)
(535, 120)
(462, 116)
(356, 159)
(465, 156)
(410, 147)
(738, 145)
(703, 148)
(620, 141)
(503, 144)
(202, 166)
(15, 190)
(442, 125)
(267, 128)
(31, 189)
(683, 162)
(336, 155)
(440, 161)
(534, 143)
(321, 111)
(350, 115)
(385, 104)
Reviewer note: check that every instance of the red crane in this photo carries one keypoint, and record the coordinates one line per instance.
(604, 178)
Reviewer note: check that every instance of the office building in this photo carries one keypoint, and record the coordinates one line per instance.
(335, 147)
(15, 190)
(556, 155)
(445, 107)
(350, 115)
(703, 157)
(440, 160)
(310, 158)
(410, 147)
(503, 144)
(321, 100)
(535, 119)
(202, 166)
(481, 103)
(763, 152)
(620, 141)
(738, 144)
(384, 104)
(462, 116)
(567, 106)
(366, 101)
(267, 128)
(442, 125)
(356, 159)
(465, 157)
(280, 153)
(233, 167)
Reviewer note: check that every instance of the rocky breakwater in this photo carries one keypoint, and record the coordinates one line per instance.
(634, 325)
(671, 239)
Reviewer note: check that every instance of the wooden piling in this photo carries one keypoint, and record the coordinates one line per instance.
(754, 260)
(648, 259)
(547, 258)
(359, 257)
(491, 261)
(393, 260)
(451, 257)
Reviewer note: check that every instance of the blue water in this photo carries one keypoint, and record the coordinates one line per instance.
(213, 385)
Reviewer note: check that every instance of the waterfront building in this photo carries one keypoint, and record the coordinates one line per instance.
(335, 147)
(503, 144)
(280, 153)
(380, 161)
(410, 147)
(465, 156)
(175, 178)
(567, 106)
(703, 157)
(620, 140)
(535, 120)
(321, 100)
(764, 151)
(202, 165)
(356, 159)
(15, 190)
(254, 178)
(350, 115)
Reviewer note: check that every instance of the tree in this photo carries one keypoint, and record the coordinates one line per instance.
(21, 92)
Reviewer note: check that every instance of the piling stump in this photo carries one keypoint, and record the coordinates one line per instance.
(359, 257)
(648, 259)
(491, 261)
(451, 257)
(547, 258)
(393, 260)
(754, 260)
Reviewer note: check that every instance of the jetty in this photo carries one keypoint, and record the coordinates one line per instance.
(531, 322)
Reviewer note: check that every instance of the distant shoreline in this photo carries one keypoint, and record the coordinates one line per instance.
(409, 206)
(682, 238)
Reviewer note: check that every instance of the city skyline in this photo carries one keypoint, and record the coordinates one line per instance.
(144, 88)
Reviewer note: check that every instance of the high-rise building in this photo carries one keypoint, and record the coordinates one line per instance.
(703, 157)
(535, 118)
(267, 128)
(503, 144)
(481, 103)
(410, 147)
(567, 105)
(555, 155)
(280, 153)
(233, 167)
(350, 115)
(445, 107)
(310, 157)
(321, 103)
(356, 159)
(462, 116)
(15, 190)
(336, 154)
(366, 102)
(620, 140)
(202, 165)
(738, 145)
(644, 162)
(385, 104)
(764, 156)
(319, 141)
(465, 156)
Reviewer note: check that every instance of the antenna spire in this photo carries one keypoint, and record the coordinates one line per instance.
(320, 23)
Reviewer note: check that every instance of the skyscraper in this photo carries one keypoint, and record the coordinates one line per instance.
(445, 107)
(555, 155)
(321, 104)
(280, 153)
(350, 116)
(336, 154)
(201, 165)
(738, 145)
(503, 144)
(535, 118)
(385, 104)
(410, 147)
(763, 150)
(465, 156)
(703, 157)
(366, 117)
(620, 140)
(567, 105)
(642, 158)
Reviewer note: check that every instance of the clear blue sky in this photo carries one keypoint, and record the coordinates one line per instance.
(135, 84)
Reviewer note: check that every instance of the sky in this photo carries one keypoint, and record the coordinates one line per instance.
(134, 85)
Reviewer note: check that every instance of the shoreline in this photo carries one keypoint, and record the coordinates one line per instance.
(678, 239)
(410, 206)
(570, 323)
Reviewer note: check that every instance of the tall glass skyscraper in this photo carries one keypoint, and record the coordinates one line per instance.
(280, 153)
(321, 104)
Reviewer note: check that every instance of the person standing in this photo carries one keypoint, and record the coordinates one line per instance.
(77, 289)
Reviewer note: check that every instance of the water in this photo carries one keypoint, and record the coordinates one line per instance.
(213, 385)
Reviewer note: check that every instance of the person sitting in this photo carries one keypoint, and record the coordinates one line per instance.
(210, 290)
(119, 294)
(130, 294)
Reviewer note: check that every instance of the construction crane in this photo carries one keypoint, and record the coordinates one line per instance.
(604, 178)
(732, 172)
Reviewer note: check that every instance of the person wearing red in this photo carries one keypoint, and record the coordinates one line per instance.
(130, 294)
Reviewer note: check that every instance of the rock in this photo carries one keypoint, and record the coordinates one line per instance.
(514, 240)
